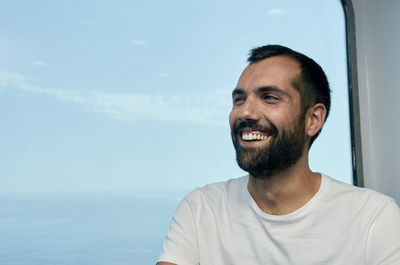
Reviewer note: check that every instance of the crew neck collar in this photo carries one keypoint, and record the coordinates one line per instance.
(290, 216)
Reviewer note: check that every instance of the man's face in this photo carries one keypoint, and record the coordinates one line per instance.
(267, 124)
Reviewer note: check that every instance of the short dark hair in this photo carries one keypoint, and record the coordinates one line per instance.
(312, 83)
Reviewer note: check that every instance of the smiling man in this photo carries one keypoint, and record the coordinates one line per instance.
(281, 212)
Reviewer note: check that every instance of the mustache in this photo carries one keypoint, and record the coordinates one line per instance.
(253, 125)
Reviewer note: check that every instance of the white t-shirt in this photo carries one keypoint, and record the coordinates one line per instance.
(342, 224)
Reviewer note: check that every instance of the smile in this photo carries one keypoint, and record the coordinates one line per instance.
(254, 136)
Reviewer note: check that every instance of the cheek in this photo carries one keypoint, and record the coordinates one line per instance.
(285, 115)
(232, 117)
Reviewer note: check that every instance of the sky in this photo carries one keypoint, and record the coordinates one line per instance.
(134, 96)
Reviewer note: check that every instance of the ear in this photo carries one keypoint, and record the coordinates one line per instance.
(315, 119)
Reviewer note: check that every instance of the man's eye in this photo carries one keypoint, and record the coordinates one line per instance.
(238, 100)
(270, 98)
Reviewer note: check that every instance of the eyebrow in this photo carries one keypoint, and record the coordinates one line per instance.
(263, 89)
(237, 91)
(274, 89)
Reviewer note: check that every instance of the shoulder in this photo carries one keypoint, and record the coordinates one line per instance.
(222, 188)
(344, 189)
(349, 196)
(216, 193)
(368, 215)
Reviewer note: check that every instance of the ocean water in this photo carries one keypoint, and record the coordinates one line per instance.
(84, 230)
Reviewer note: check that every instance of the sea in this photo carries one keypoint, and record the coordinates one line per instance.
(84, 229)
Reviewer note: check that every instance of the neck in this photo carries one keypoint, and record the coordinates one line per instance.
(285, 191)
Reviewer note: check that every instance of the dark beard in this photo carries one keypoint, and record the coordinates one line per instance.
(283, 151)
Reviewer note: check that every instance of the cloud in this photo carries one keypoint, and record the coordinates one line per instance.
(208, 107)
(275, 11)
(87, 22)
(11, 79)
(139, 42)
(166, 75)
(39, 63)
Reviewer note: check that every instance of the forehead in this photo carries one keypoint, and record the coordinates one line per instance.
(276, 71)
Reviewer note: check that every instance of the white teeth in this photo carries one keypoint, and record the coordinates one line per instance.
(253, 136)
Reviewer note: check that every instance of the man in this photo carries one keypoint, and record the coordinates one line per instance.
(282, 212)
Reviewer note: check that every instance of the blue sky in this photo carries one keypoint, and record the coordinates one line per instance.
(129, 96)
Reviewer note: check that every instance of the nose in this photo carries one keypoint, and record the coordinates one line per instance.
(248, 111)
